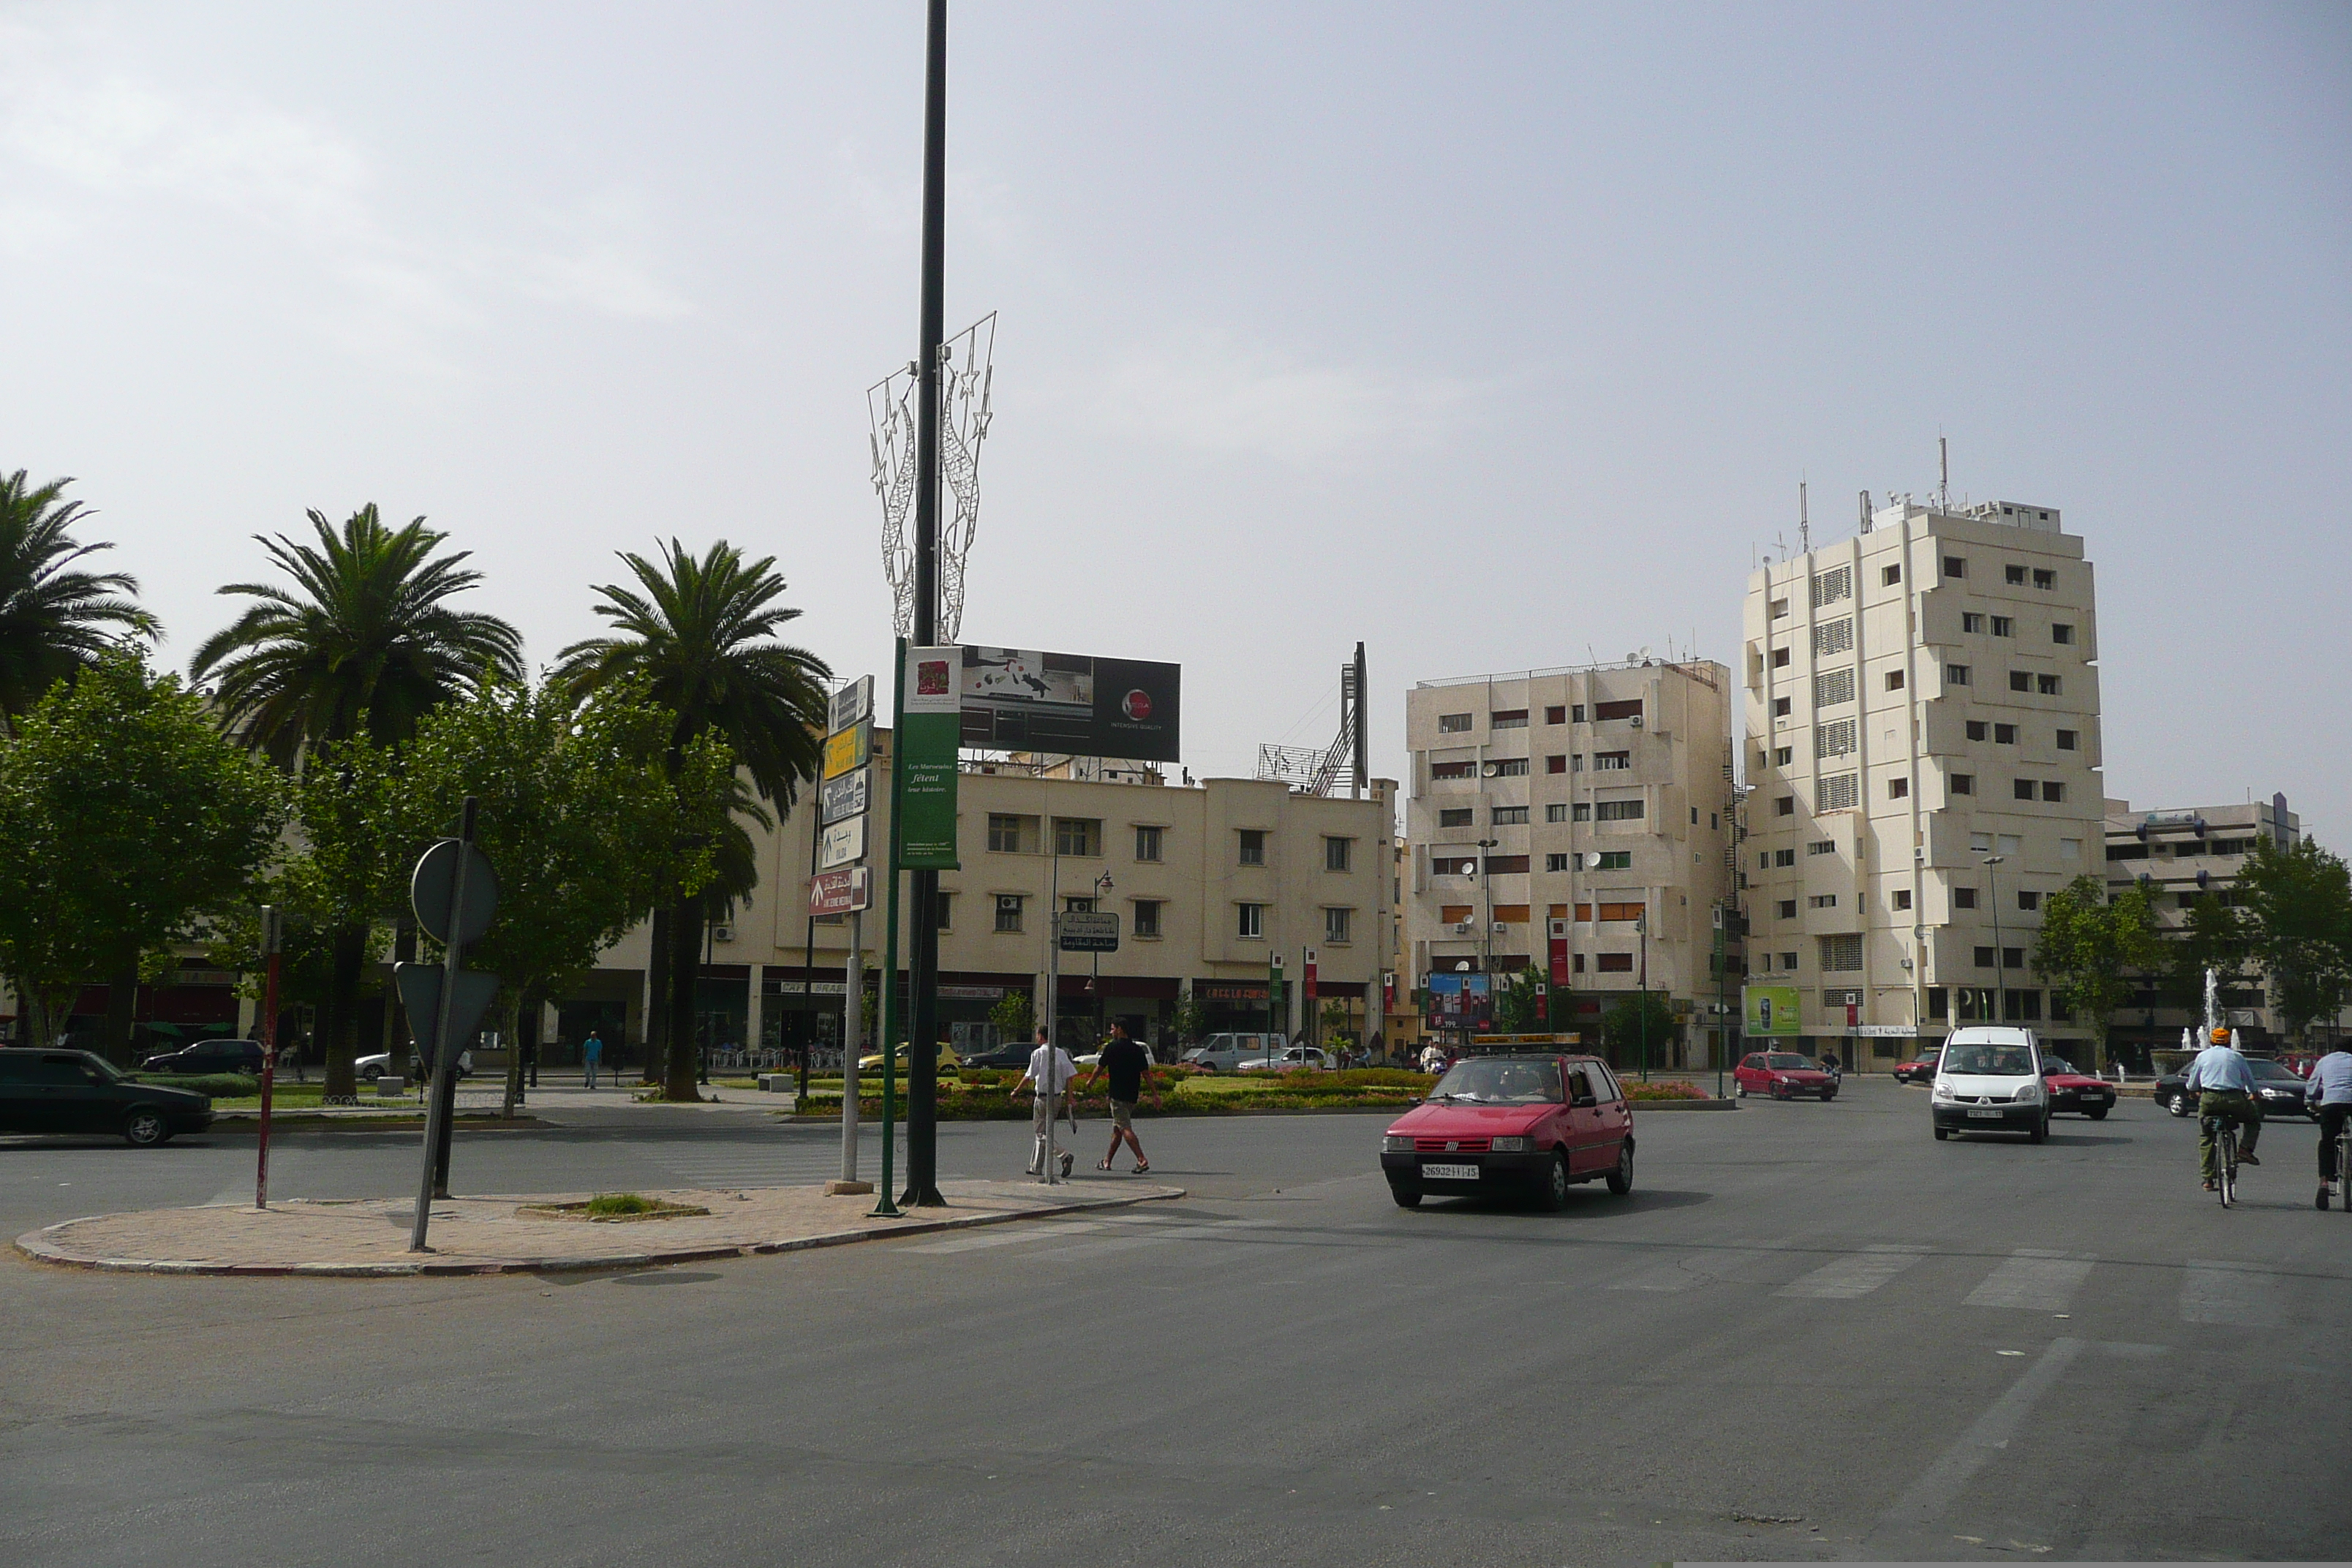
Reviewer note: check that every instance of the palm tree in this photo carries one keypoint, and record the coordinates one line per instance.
(55, 618)
(361, 647)
(698, 635)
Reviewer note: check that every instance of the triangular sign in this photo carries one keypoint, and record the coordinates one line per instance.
(420, 992)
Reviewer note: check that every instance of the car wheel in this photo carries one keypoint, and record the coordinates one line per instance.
(372, 1074)
(1552, 1189)
(1829, 1096)
(2097, 1113)
(145, 1129)
(1406, 1197)
(1742, 1092)
(2040, 1130)
(1942, 1134)
(2177, 1105)
(1620, 1179)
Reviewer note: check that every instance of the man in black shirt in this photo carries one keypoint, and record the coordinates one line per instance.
(1127, 1064)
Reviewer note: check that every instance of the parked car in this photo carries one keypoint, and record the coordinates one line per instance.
(1783, 1075)
(1920, 1069)
(1293, 1061)
(1988, 1080)
(1011, 1055)
(371, 1068)
(947, 1060)
(1534, 1125)
(1225, 1053)
(207, 1056)
(2073, 1093)
(75, 1092)
(2282, 1093)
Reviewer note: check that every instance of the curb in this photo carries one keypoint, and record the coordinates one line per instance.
(35, 1247)
(1643, 1106)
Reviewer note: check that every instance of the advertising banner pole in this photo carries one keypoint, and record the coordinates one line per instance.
(893, 1020)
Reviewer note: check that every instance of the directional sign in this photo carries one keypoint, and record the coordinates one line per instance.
(1087, 931)
(847, 750)
(420, 992)
(839, 892)
(843, 796)
(842, 842)
(852, 704)
(429, 887)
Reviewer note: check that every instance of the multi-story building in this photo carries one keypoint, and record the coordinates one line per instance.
(2181, 855)
(1579, 813)
(1923, 743)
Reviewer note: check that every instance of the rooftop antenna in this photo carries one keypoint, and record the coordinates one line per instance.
(1804, 521)
(1865, 511)
(1943, 473)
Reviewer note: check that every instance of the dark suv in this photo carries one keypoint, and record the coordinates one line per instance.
(74, 1091)
(209, 1057)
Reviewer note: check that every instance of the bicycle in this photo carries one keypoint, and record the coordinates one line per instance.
(2224, 1132)
(2344, 1163)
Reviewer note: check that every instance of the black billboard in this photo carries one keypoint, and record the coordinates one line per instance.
(1018, 699)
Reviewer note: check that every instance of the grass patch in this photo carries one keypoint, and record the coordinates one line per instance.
(219, 1084)
(617, 1208)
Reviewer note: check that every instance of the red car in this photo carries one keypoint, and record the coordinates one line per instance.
(2076, 1091)
(1920, 1068)
(1783, 1075)
(1532, 1124)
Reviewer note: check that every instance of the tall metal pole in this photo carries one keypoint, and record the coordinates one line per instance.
(808, 960)
(1049, 1157)
(893, 1015)
(922, 1049)
(853, 1041)
(2000, 980)
(445, 1055)
(269, 945)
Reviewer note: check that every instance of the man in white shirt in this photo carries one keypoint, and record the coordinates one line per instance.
(2331, 1090)
(2224, 1087)
(1050, 1072)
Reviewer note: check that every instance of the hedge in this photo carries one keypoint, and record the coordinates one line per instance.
(219, 1084)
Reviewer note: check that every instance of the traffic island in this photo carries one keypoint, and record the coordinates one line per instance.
(368, 1237)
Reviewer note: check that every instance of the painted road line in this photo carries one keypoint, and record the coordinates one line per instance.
(2032, 1281)
(1712, 1267)
(2216, 1292)
(1927, 1498)
(1857, 1274)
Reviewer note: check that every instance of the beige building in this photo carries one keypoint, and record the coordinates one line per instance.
(1576, 814)
(1923, 744)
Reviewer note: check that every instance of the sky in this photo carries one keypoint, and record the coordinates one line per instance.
(1494, 336)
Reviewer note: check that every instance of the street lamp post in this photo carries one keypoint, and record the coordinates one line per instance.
(1485, 934)
(1103, 885)
(1641, 929)
(1999, 981)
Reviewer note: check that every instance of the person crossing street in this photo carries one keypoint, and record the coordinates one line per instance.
(1050, 1072)
(1127, 1066)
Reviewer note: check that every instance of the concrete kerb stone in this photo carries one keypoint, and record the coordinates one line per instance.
(50, 1245)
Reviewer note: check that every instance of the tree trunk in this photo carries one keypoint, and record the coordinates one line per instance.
(511, 1032)
(684, 970)
(340, 1022)
(122, 1007)
(396, 1025)
(657, 995)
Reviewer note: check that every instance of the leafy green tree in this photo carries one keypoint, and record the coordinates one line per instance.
(1515, 1003)
(54, 617)
(2296, 906)
(2212, 936)
(2089, 948)
(1190, 1020)
(1014, 1016)
(128, 820)
(361, 647)
(698, 635)
(1635, 1018)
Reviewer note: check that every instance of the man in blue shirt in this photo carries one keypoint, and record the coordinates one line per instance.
(2331, 1089)
(2225, 1088)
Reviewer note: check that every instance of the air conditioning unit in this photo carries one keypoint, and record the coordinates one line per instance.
(1464, 928)
(1501, 928)
(1636, 720)
(722, 933)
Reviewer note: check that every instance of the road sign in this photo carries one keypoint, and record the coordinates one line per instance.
(1087, 931)
(847, 750)
(852, 704)
(845, 797)
(420, 992)
(1310, 974)
(429, 887)
(843, 891)
(844, 842)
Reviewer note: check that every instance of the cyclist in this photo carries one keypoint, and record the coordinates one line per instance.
(2331, 1090)
(2224, 1086)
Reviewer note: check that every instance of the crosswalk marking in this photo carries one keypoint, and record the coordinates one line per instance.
(2032, 1281)
(2213, 1292)
(1854, 1274)
(1710, 1268)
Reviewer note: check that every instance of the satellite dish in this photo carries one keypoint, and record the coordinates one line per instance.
(1593, 860)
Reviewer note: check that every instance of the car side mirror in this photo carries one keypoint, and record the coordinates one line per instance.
(1584, 1102)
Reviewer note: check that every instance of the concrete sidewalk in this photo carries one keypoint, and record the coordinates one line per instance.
(368, 1237)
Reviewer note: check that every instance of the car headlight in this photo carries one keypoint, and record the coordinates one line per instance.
(1509, 1145)
(1942, 1089)
(1396, 1144)
(2026, 1092)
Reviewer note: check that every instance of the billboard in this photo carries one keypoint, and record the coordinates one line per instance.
(1019, 700)
(1768, 1012)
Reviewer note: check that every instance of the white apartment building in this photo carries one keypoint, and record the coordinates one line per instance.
(1923, 740)
(1602, 795)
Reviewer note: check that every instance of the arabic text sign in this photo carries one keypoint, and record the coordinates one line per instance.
(841, 891)
(843, 796)
(842, 842)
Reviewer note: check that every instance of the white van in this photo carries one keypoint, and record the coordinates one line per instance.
(1229, 1053)
(1988, 1080)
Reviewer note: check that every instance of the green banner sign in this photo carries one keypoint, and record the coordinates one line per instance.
(929, 730)
(1768, 1012)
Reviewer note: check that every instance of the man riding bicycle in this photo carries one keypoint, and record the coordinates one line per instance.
(2331, 1090)
(2224, 1085)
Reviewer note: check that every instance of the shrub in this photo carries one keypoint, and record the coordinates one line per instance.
(219, 1084)
(606, 1204)
(1665, 1090)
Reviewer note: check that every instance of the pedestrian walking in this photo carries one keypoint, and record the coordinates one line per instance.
(530, 1058)
(591, 1055)
(1050, 1072)
(1128, 1068)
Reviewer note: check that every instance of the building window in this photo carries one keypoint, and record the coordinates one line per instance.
(1338, 854)
(1507, 768)
(2013, 575)
(2045, 579)
(1785, 806)
(1336, 924)
(1835, 686)
(1576, 761)
(1939, 1004)
(2005, 734)
(2051, 790)
(1616, 963)
(1889, 576)
(946, 903)
(1780, 707)
(1898, 789)
(2020, 680)
(1956, 674)
(2060, 632)
(1147, 843)
(1970, 621)
(1581, 811)
(1077, 836)
(1781, 656)
(1964, 784)
(1147, 918)
(1822, 846)
(1624, 913)
(1012, 835)
(1955, 566)
(2047, 685)
(1249, 920)
(1834, 637)
(1783, 755)
(1894, 681)
(1610, 762)
(1821, 901)
(1576, 713)
(1619, 811)
(1517, 718)
(1458, 816)
(2070, 849)
(1462, 770)
(1556, 862)
(1453, 723)
(1979, 730)
(2028, 901)
(1833, 586)
(2004, 627)
(1558, 765)
(1964, 897)
(1780, 608)
(1616, 861)
(1008, 911)
(1834, 739)
(2069, 740)
(1840, 955)
(1579, 963)
(1629, 708)
(2022, 789)
(1555, 811)
(2022, 1006)
(1504, 817)
(1555, 715)
(1840, 792)
(1784, 856)
(1902, 898)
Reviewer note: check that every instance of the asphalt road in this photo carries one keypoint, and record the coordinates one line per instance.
(1812, 1333)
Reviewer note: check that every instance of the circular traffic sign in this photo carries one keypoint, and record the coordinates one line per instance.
(432, 883)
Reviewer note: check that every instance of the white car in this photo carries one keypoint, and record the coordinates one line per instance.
(1228, 1053)
(371, 1068)
(1988, 1080)
(1291, 1061)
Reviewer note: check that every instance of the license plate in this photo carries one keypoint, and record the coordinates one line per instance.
(1449, 1173)
(1986, 1114)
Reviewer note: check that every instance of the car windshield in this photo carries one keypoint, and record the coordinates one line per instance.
(2056, 1064)
(1989, 1061)
(1501, 1083)
(102, 1067)
(1791, 1063)
(2278, 1071)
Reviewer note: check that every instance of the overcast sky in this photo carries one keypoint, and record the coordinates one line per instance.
(1494, 336)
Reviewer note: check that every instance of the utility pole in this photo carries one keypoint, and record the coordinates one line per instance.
(2000, 980)
(923, 966)
(1485, 938)
(1641, 929)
